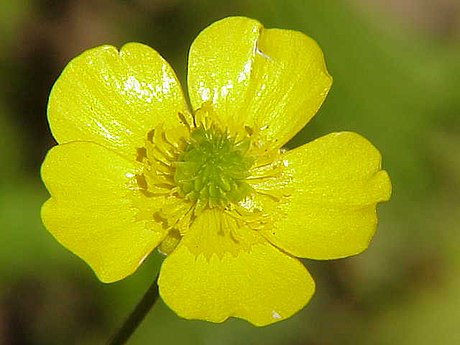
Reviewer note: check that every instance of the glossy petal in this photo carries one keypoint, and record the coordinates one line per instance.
(210, 278)
(91, 209)
(274, 80)
(334, 185)
(114, 98)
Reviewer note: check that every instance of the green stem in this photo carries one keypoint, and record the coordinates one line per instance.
(137, 315)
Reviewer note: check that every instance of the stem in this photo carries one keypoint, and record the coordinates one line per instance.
(137, 315)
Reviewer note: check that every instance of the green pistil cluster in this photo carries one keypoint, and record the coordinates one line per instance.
(213, 168)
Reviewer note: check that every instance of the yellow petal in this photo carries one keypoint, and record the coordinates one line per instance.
(91, 209)
(272, 80)
(212, 275)
(114, 98)
(334, 185)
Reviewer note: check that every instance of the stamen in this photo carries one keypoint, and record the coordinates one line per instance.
(202, 166)
(183, 120)
(141, 154)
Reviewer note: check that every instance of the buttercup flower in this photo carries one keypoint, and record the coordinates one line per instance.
(208, 184)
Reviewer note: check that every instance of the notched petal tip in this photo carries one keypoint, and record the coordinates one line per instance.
(274, 80)
(385, 185)
(92, 211)
(114, 97)
(259, 284)
(337, 182)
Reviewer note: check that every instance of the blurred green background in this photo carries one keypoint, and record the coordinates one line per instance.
(396, 69)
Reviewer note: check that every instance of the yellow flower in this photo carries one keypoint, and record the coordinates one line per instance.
(209, 185)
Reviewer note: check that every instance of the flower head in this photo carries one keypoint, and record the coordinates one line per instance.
(209, 185)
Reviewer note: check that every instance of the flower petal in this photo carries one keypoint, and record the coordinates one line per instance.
(212, 276)
(273, 80)
(114, 98)
(335, 183)
(91, 209)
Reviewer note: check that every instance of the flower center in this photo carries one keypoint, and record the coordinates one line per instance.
(213, 167)
(201, 166)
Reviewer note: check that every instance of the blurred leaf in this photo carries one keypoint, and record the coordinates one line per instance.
(26, 246)
(12, 13)
(426, 318)
(10, 148)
